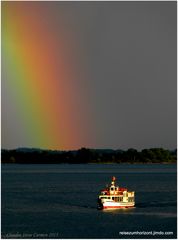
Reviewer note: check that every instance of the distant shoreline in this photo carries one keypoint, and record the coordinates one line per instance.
(89, 156)
(136, 163)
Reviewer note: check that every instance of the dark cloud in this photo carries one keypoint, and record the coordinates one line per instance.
(128, 50)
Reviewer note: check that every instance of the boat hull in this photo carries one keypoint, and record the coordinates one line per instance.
(115, 205)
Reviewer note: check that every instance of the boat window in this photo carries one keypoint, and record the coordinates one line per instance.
(112, 198)
(131, 199)
(112, 189)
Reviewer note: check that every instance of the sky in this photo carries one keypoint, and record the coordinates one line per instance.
(89, 74)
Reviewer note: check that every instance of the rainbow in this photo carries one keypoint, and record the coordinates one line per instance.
(43, 78)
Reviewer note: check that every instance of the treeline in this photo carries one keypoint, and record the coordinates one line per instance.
(85, 155)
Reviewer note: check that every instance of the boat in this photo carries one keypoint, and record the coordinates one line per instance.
(114, 197)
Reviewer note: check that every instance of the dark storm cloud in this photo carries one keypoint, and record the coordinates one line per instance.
(129, 53)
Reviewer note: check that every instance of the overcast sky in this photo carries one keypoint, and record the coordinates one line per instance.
(128, 51)
(131, 51)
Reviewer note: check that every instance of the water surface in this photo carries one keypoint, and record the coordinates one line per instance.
(59, 201)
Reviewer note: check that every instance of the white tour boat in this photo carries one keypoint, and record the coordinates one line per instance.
(115, 197)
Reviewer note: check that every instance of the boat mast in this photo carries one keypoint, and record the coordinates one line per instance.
(113, 181)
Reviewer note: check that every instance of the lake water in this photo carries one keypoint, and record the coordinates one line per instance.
(60, 201)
